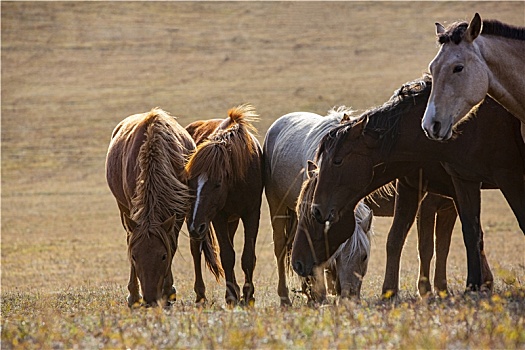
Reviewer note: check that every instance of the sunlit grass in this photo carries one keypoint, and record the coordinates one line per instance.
(98, 317)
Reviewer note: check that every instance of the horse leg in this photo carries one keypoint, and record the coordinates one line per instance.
(279, 246)
(513, 188)
(445, 221)
(133, 288)
(198, 286)
(404, 214)
(248, 258)
(486, 273)
(469, 206)
(220, 223)
(425, 225)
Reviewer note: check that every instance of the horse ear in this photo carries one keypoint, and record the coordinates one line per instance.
(311, 168)
(359, 127)
(474, 28)
(167, 225)
(345, 119)
(130, 224)
(439, 28)
(366, 221)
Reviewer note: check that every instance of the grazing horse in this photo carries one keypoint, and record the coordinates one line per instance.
(313, 248)
(488, 152)
(475, 59)
(347, 261)
(226, 175)
(145, 172)
(290, 142)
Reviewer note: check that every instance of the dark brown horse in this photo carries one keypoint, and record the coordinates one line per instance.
(312, 247)
(488, 152)
(145, 172)
(225, 175)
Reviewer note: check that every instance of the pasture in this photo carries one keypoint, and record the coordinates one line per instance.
(72, 70)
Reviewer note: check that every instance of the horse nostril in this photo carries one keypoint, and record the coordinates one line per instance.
(436, 127)
(298, 267)
(317, 214)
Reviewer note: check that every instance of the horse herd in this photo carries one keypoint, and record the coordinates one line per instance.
(325, 177)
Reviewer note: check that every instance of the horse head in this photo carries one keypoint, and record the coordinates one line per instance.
(460, 78)
(150, 252)
(316, 243)
(344, 150)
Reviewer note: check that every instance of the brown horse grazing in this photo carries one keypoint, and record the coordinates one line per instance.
(145, 172)
(225, 174)
(487, 152)
(475, 59)
(347, 261)
(312, 247)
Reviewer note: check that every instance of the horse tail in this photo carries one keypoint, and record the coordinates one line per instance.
(210, 248)
(289, 234)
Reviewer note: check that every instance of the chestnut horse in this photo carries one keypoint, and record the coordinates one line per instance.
(226, 175)
(145, 172)
(313, 248)
(475, 59)
(488, 152)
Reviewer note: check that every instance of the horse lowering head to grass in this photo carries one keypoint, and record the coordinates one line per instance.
(475, 59)
(226, 177)
(343, 247)
(486, 152)
(145, 172)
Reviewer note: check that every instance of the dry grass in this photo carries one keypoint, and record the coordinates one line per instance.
(71, 71)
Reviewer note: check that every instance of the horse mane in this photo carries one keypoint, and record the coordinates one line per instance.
(455, 32)
(360, 240)
(228, 151)
(159, 193)
(383, 120)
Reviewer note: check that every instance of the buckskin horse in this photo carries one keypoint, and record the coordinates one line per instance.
(475, 59)
(487, 152)
(226, 177)
(145, 172)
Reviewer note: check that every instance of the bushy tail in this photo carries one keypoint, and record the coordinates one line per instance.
(211, 251)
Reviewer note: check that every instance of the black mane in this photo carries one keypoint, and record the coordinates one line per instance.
(383, 121)
(455, 32)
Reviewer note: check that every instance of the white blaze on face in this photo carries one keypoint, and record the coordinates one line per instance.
(201, 181)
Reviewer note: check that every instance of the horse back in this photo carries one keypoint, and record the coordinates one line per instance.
(290, 141)
(122, 157)
(201, 129)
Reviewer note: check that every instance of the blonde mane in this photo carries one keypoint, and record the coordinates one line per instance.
(160, 192)
(227, 152)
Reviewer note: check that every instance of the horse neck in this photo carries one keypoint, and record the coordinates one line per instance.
(505, 86)
(413, 145)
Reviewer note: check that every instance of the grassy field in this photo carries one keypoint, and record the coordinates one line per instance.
(72, 70)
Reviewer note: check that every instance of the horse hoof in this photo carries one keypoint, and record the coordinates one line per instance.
(134, 302)
(388, 295)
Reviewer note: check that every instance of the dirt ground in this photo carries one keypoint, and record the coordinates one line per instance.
(72, 70)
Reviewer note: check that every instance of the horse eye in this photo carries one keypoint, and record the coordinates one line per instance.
(458, 68)
(365, 257)
(164, 257)
(338, 161)
(133, 257)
